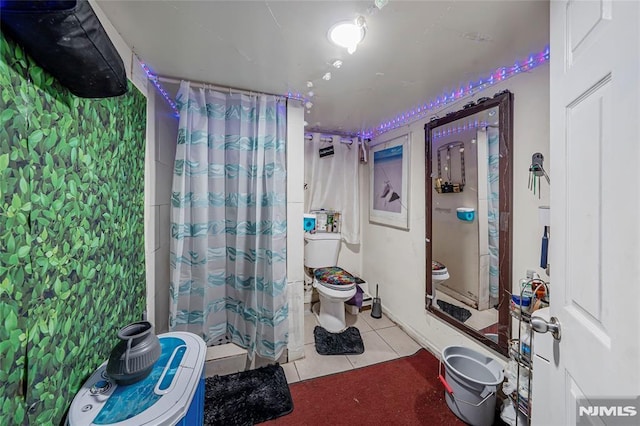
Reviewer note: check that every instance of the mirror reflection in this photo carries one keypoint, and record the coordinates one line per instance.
(464, 201)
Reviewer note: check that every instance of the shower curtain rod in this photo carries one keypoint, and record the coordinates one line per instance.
(204, 85)
(347, 140)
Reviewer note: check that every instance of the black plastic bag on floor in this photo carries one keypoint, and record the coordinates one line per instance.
(68, 41)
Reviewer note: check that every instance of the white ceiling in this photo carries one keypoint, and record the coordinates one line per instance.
(413, 50)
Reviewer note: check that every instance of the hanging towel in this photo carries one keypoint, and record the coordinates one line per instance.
(332, 183)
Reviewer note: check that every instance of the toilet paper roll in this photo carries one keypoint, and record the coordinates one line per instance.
(544, 216)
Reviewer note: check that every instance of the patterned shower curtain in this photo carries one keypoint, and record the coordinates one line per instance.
(493, 187)
(228, 220)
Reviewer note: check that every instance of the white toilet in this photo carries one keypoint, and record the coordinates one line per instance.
(439, 274)
(335, 285)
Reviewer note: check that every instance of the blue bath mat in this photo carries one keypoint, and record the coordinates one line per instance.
(348, 342)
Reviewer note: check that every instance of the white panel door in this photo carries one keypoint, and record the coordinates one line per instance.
(595, 216)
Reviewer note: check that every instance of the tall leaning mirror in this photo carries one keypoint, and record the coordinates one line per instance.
(468, 209)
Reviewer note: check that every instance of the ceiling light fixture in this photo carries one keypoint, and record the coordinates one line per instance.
(348, 34)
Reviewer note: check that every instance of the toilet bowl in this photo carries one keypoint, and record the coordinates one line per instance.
(335, 286)
(439, 274)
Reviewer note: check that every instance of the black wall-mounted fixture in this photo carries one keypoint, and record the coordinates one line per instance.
(67, 40)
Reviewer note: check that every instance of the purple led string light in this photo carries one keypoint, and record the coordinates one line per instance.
(415, 113)
(473, 87)
(154, 79)
(458, 128)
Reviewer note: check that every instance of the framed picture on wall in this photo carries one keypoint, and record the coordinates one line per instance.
(389, 186)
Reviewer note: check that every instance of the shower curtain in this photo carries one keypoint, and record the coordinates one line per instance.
(493, 204)
(228, 220)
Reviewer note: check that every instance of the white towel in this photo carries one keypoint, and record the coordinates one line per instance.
(332, 183)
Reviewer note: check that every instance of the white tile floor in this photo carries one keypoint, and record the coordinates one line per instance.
(383, 341)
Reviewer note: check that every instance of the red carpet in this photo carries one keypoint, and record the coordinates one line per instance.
(404, 391)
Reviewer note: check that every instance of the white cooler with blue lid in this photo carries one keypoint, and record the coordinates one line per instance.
(172, 394)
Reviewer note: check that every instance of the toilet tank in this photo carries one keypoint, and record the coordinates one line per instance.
(321, 249)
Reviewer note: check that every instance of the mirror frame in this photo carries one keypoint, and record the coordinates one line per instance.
(503, 100)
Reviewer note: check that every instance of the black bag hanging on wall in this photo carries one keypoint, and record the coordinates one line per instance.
(67, 40)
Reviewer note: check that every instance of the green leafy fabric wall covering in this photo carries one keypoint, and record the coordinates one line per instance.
(71, 235)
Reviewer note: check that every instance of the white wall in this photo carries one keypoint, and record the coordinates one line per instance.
(295, 231)
(396, 259)
(162, 134)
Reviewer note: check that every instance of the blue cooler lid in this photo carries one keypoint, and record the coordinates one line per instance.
(163, 397)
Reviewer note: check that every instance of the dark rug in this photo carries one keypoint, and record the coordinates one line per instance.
(247, 398)
(459, 313)
(345, 343)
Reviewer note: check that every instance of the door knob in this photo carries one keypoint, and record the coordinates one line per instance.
(542, 326)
